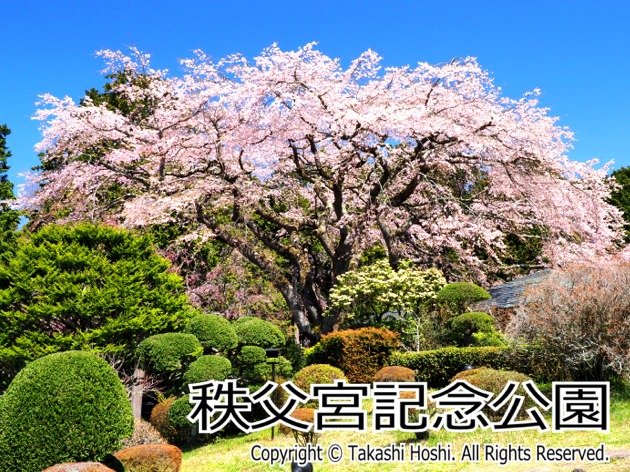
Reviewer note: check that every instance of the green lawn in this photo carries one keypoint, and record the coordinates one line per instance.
(233, 454)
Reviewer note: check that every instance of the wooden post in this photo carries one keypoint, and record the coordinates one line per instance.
(136, 392)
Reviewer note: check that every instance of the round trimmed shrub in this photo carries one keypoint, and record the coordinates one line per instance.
(207, 368)
(257, 332)
(159, 419)
(461, 294)
(169, 352)
(251, 355)
(395, 374)
(317, 374)
(177, 419)
(151, 458)
(464, 326)
(65, 407)
(494, 381)
(213, 331)
(244, 319)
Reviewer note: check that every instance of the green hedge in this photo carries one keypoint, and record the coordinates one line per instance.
(437, 367)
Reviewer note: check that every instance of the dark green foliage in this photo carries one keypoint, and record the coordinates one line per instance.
(621, 197)
(251, 355)
(180, 409)
(262, 371)
(9, 219)
(253, 367)
(213, 331)
(359, 353)
(294, 353)
(539, 362)
(84, 287)
(65, 407)
(437, 367)
(317, 374)
(465, 326)
(257, 332)
(169, 352)
(207, 368)
(459, 295)
(492, 380)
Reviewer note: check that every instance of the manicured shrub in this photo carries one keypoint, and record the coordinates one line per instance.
(462, 328)
(494, 381)
(177, 414)
(79, 467)
(143, 433)
(243, 319)
(151, 458)
(438, 366)
(257, 332)
(461, 294)
(214, 332)
(159, 419)
(207, 368)
(317, 374)
(169, 352)
(395, 374)
(64, 407)
(251, 355)
(302, 438)
(360, 353)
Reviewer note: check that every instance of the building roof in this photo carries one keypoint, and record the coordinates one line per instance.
(508, 295)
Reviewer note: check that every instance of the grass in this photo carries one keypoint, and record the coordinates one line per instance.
(233, 454)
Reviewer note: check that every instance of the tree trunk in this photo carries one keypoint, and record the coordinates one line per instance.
(136, 392)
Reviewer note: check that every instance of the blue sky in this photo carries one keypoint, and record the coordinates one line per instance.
(577, 52)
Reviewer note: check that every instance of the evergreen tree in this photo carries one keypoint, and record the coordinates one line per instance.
(84, 287)
(9, 219)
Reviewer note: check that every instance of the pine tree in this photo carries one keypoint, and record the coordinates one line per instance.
(9, 218)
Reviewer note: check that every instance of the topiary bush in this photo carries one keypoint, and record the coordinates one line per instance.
(465, 329)
(360, 353)
(438, 366)
(251, 355)
(395, 374)
(302, 438)
(207, 368)
(256, 332)
(64, 407)
(214, 332)
(494, 381)
(459, 295)
(151, 458)
(159, 419)
(317, 374)
(169, 353)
